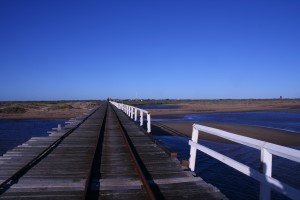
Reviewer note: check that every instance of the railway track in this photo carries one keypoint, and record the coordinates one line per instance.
(117, 169)
(100, 155)
(53, 167)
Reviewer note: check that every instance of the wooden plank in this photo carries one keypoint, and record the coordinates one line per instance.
(63, 174)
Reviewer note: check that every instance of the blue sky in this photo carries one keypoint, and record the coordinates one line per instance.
(199, 49)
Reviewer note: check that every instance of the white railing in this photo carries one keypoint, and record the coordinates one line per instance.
(267, 150)
(132, 112)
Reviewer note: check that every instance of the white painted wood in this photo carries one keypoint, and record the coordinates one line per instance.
(135, 114)
(266, 168)
(132, 112)
(148, 123)
(141, 118)
(193, 150)
(273, 183)
(267, 149)
(285, 152)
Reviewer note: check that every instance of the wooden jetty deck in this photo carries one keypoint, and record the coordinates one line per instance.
(100, 155)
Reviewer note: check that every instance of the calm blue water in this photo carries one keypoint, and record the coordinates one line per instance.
(289, 121)
(232, 183)
(16, 132)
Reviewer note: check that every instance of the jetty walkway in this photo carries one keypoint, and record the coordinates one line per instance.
(100, 155)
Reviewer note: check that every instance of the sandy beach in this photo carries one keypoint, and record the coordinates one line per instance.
(266, 134)
(69, 109)
(210, 106)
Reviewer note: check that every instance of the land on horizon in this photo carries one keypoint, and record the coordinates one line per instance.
(45, 109)
(71, 108)
(68, 109)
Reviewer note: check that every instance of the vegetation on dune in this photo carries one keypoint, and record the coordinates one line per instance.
(13, 110)
(60, 107)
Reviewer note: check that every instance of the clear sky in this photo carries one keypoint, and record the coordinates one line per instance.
(199, 49)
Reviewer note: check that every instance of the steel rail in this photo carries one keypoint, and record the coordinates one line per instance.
(133, 154)
(17, 175)
(88, 180)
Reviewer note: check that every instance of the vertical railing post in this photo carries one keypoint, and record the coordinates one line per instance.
(132, 108)
(130, 111)
(266, 168)
(58, 127)
(193, 151)
(141, 118)
(135, 114)
(148, 123)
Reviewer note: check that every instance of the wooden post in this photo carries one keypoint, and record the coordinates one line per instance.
(193, 151)
(266, 168)
(131, 112)
(135, 114)
(141, 118)
(148, 123)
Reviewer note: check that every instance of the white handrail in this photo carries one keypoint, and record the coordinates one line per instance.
(132, 112)
(267, 150)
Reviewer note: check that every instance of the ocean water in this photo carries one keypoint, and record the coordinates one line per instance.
(16, 132)
(232, 183)
(283, 120)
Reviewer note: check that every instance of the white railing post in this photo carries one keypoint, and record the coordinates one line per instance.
(267, 182)
(135, 114)
(141, 118)
(148, 123)
(193, 151)
(266, 168)
(132, 112)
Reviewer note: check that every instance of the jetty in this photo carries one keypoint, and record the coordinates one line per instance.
(103, 154)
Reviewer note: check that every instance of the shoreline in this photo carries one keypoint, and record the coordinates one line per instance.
(164, 115)
(275, 136)
(169, 113)
(41, 116)
(217, 106)
(70, 109)
(45, 110)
